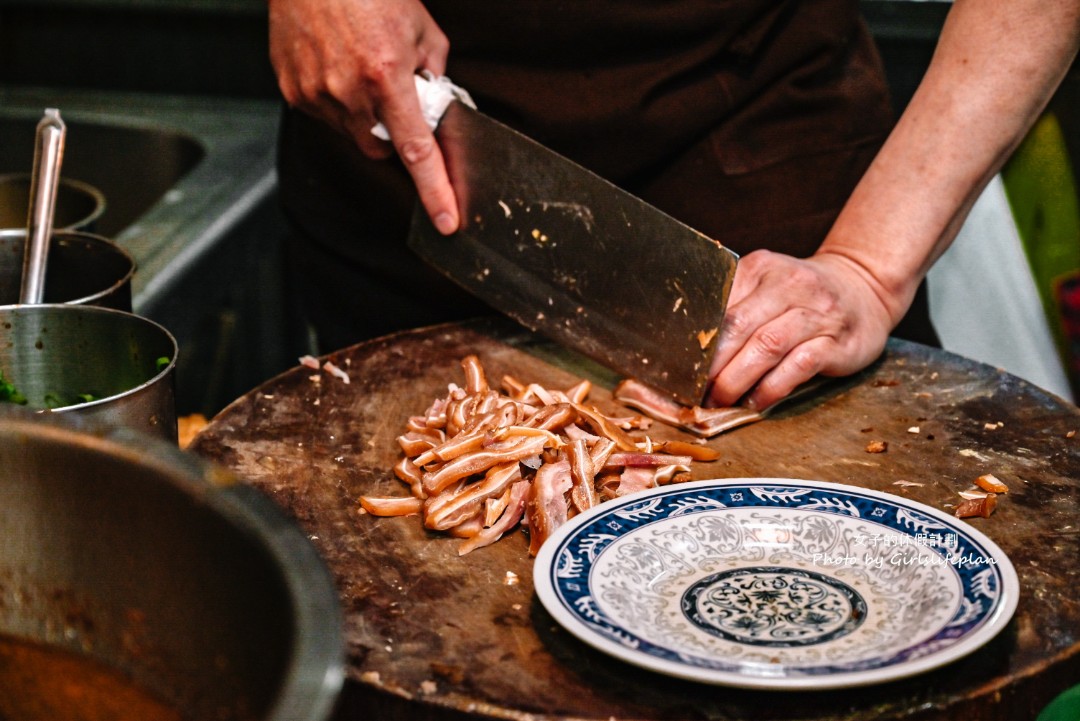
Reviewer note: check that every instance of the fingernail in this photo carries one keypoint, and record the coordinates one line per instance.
(445, 223)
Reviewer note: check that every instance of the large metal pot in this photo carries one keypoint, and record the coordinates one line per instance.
(82, 268)
(78, 204)
(57, 354)
(122, 549)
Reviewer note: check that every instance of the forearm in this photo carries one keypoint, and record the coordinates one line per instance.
(996, 66)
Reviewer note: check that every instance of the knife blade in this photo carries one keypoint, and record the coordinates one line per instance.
(570, 255)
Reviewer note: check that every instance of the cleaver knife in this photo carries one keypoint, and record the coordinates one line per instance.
(571, 256)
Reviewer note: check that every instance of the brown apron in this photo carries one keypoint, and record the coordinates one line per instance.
(749, 120)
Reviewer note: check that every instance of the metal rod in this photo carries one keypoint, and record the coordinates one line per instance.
(48, 156)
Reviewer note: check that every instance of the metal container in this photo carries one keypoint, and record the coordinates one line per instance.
(83, 268)
(121, 548)
(99, 363)
(78, 204)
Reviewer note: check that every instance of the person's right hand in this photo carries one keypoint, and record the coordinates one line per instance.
(351, 64)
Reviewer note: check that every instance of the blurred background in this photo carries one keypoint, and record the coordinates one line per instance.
(172, 113)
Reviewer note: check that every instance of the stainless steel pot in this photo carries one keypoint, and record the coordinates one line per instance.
(55, 355)
(124, 549)
(82, 269)
(78, 204)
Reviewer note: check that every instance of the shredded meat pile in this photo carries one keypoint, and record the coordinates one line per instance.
(480, 462)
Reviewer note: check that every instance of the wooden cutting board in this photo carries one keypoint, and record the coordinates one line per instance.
(432, 635)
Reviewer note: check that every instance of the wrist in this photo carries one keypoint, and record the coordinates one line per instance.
(885, 294)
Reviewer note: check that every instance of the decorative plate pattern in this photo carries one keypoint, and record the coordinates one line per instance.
(776, 583)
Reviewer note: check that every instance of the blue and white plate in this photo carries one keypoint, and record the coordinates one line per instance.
(776, 583)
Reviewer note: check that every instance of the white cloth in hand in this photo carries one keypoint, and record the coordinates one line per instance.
(435, 93)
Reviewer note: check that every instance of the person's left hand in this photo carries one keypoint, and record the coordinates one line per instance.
(790, 319)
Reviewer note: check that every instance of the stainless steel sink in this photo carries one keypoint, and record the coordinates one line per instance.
(175, 171)
(190, 191)
(103, 155)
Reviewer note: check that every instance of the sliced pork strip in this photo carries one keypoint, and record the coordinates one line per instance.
(398, 506)
(511, 517)
(475, 378)
(644, 460)
(704, 422)
(546, 507)
(583, 494)
(446, 510)
(480, 461)
(635, 479)
(602, 425)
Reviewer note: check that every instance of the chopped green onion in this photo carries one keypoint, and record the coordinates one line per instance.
(9, 393)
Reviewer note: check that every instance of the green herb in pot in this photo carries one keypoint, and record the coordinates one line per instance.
(8, 392)
(52, 400)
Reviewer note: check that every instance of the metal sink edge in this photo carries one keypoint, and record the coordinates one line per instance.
(236, 174)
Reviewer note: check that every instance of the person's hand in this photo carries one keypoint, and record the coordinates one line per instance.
(351, 63)
(789, 319)
(995, 67)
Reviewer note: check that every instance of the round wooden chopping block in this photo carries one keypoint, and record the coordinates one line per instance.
(435, 635)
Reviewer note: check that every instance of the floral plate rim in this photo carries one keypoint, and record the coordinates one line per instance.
(570, 608)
